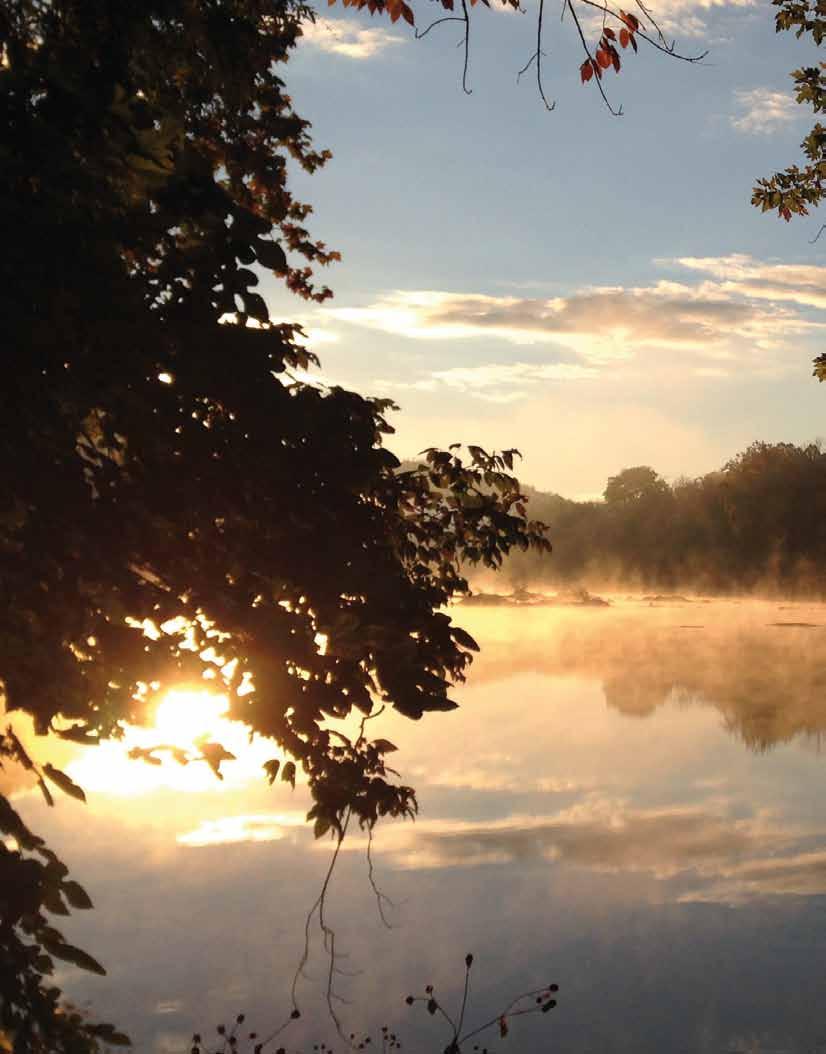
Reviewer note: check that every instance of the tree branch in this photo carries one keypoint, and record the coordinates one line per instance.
(597, 76)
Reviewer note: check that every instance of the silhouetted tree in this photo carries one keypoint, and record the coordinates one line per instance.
(175, 500)
(759, 522)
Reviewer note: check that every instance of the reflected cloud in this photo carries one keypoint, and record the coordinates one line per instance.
(599, 833)
(227, 830)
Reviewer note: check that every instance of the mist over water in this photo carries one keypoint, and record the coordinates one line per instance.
(629, 802)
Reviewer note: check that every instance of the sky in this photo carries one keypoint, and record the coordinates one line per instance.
(596, 291)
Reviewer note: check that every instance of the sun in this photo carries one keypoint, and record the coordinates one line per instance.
(184, 716)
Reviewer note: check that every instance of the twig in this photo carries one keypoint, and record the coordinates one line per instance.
(597, 76)
(663, 47)
(466, 20)
(526, 67)
(464, 1000)
(381, 898)
(508, 1012)
(329, 940)
(438, 22)
(548, 106)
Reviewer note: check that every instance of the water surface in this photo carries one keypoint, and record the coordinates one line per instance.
(629, 802)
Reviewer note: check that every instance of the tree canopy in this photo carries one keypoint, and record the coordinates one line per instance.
(176, 502)
(757, 523)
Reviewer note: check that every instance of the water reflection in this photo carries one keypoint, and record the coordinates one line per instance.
(589, 813)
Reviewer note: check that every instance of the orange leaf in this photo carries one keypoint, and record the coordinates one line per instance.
(615, 60)
(408, 14)
(624, 37)
(603, 58)
(609, 33)
(585, 71)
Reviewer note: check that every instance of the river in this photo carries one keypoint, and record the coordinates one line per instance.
(629, 802)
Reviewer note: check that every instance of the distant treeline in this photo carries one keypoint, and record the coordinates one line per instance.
(759, 523)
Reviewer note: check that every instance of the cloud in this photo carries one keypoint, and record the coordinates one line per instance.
(680, 19)
(762, 111)
(741, 314)
(496, 382)
(603, 324)
(741, 275)
(348, 39)
(228, 830)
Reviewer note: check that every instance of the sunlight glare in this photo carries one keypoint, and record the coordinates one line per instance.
(183, 718)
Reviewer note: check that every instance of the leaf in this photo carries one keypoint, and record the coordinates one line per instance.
(463, 638)
(118, 1039)
(47, 794)
(213, 754)
(76, 895)
(78, 734)
(624, 37)
(270, 255)
(609, 33)
(60, 779)
(384, 746)
(503, 1026)
(288, 774)
(271, 768)
(407, 14)
(255, 306)
(77, 957)
(321, 827)
(53, 902)
(586, 71)
(603, 58)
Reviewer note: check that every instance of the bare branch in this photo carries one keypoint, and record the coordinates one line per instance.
(548, 106)
(328, 939)
(381, 898)
(466, 20)
(438, 22)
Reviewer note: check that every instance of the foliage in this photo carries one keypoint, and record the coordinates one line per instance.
(35, 882)
(797, 189)
(599, 57)
(177, 503)
(634, 485)
(757, 523)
